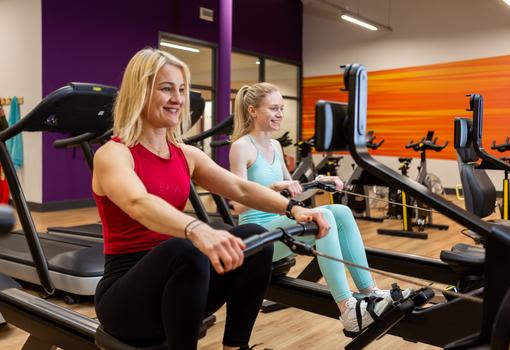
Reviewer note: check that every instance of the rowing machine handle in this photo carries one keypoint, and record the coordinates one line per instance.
(310, 185)
(256, 243)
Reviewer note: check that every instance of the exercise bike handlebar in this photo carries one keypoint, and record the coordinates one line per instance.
(311, 185)
(285, 140)
(372, 145)
(425, 144)
(503, 147)
(255, 243)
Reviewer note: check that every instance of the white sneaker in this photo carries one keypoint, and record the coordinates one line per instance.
(354, 321)
(386, 294)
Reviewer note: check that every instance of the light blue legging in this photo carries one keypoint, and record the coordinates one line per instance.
(342, 241)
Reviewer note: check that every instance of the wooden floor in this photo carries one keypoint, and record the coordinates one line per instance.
(289, 329)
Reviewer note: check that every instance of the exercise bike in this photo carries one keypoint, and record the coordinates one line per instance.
(504, 205)
(411, 211)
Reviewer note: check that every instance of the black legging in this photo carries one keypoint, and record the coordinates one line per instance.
(146, 297)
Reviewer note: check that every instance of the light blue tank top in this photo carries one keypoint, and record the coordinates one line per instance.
(264, 173)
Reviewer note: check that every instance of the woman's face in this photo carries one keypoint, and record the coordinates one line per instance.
(165, 105)
(268, 115)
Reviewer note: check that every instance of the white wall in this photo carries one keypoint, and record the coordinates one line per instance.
(21, 75)
(424, 32)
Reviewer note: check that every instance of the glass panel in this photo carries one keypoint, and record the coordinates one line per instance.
(199, 59)
(205, 122)
(244, 70)
(283, 75)
(290, 117)
(206, 94)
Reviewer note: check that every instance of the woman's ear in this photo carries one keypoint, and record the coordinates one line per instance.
(252, 111)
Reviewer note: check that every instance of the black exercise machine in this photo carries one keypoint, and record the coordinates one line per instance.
(56, 263)
(456, 322)
(411, 216)
(428, 143)
(468, 136)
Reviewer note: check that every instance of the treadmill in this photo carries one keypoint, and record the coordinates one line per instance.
(71, 265)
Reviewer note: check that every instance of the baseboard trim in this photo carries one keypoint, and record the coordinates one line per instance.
(62, 205)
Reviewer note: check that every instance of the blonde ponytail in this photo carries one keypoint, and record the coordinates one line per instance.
(248, 95)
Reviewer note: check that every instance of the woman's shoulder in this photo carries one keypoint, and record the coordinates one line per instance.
(276, 144)
(112, 150)
(243, 150)
(243, 141)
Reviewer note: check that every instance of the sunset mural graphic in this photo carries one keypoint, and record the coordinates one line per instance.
(403, 104)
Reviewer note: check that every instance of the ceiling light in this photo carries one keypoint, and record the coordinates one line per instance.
(507, 2)
(258, 62)
(356, 18)
(179, 47)
(359, 22)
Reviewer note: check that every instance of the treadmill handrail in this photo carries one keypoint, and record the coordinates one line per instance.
(74, 141)
(476, 105)
(26, 220)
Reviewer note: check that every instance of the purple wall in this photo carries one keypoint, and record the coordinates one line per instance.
(271, 27)
(92, 41)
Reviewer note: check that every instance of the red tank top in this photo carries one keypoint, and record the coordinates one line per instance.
(168, 179)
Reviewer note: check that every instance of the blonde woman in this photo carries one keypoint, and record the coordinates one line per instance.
(165, 270)
(255, 156)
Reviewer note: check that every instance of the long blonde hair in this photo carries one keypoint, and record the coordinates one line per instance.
(136, 91)
(248, 95)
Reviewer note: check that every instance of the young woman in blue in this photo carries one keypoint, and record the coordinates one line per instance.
(255, 156)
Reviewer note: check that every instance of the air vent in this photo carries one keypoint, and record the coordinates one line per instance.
(206, 14)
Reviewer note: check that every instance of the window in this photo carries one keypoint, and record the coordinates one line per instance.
(287, 77)
(244, 70)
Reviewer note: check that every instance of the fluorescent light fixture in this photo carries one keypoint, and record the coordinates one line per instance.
(507, 2)
(366, 25)
(179, 47)
(258, 62)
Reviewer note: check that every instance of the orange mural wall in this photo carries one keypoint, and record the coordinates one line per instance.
(405, 103)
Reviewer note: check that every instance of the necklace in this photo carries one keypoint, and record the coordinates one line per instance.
(165, 153)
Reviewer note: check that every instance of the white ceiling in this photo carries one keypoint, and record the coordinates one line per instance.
(406, 15)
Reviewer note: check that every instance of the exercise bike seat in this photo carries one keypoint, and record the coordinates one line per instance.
(106, 341)
(465, 259)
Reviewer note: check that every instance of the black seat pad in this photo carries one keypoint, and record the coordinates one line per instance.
(465, 259)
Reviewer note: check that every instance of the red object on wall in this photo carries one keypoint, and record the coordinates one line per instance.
(4, 187)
